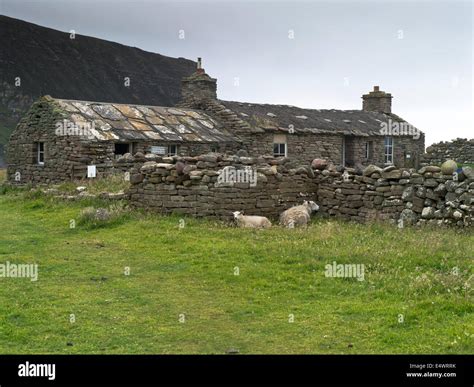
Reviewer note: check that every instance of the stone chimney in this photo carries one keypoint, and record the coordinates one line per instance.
(198, 88)
(377, 101)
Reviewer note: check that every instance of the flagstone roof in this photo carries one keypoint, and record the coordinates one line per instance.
(266, 117)
(112, 121)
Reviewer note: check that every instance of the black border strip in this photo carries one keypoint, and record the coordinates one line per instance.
(350, 370)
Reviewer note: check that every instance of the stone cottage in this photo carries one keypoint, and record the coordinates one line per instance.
(58, 139)
(61, 139)
(373, 135)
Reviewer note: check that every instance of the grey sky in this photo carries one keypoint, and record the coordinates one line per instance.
(421, 52)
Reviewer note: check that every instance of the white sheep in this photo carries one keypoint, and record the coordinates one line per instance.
(298, 215)
(251, 221)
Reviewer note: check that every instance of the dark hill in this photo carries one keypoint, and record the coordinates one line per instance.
(85, 68)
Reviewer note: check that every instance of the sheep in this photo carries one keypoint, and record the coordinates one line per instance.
(298, 215)
(251, 221)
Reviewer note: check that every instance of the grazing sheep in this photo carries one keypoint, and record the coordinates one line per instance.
(298, 215)
(251, 221)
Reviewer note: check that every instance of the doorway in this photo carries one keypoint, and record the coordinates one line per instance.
(348, 151)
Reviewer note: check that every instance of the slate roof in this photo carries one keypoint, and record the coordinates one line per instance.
(122, 122)
(265, 117)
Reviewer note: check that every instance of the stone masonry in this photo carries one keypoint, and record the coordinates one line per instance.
(460, 150)
(415, 197)
(190, 185)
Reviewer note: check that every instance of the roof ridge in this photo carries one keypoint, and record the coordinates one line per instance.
(119, 103)
(290, 106)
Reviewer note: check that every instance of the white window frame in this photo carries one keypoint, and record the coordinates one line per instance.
(168, 150)
(388, 150)
(279, 153)
(39, 152)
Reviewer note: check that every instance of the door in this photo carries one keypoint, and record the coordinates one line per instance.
(348, 151)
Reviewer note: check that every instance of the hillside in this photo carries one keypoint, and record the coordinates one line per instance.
(50, 62)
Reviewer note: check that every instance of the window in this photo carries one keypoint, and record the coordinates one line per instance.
(369, 146)
(39, 153)
(121, 148)
(158, 150)
(388, 146)
(172, 150)
(279, 146)
(279, 150)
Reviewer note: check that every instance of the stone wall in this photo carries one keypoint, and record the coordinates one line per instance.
(194, 186)
(460, 150)
(67, 157)
(38, 125)
(191, 185)
(302, 148)
(415, 197)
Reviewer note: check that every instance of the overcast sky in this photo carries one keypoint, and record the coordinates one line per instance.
(314, 54)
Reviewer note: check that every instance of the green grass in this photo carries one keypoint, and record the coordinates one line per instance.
(112, 183)
(190, 271)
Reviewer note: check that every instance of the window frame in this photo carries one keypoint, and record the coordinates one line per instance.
(388, 150)
(158, 153)
(40, 152)
(168, 150)
(279, 153)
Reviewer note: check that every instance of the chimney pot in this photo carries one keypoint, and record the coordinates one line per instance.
(199, 64)
(376, 88)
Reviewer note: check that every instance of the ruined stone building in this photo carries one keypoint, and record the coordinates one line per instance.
(58, 139)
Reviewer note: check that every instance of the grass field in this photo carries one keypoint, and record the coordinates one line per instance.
(182, 293)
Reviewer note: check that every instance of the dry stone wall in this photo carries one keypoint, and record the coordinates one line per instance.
(214, 185)
(201, 186)
(460, 150)
(406, 196)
